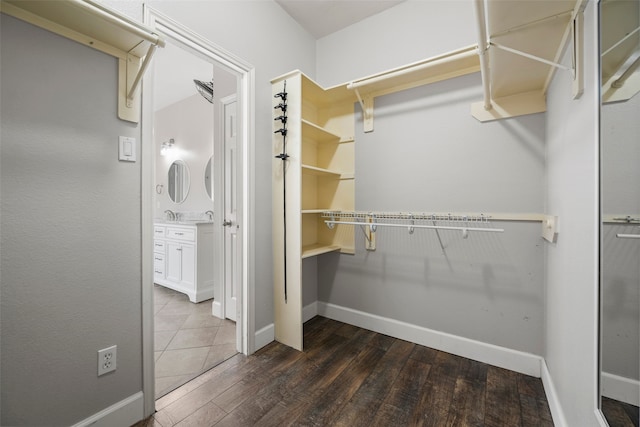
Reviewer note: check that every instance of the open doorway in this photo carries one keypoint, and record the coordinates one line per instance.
(197, 143)
(190, 336)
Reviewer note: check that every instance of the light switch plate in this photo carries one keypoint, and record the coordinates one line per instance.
(127, 149)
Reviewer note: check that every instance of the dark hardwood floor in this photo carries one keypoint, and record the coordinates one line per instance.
(620, 414)
(348, 376)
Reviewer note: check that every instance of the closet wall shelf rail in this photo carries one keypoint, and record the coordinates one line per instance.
(621, 219)
(464, 222)
(431, 70)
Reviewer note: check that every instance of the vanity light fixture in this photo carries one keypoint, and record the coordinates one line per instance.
(166, 146)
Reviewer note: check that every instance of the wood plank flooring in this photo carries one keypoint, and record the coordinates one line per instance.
(348, 376)
(620, 414)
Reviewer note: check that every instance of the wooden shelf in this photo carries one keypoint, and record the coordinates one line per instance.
(314, 250)
(314, 211)
(319, 134)
(312, 170)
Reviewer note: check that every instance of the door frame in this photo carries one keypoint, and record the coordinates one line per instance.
(246, 221)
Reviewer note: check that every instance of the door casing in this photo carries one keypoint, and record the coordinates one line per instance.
(246, 131)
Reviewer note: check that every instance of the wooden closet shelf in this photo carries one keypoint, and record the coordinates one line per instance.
(313, 250)
(312, 170)
(313, 211)
(320, 134)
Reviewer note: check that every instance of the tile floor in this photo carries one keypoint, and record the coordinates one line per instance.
(188, 339)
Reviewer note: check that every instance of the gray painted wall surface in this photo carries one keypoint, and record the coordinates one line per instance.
(70, 223)
(428, 154)
(620, 266)
(409, 32)
(571, 276)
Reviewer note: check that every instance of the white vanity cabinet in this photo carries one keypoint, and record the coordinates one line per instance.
(183, 258)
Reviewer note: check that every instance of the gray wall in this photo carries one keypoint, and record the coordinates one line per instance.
(572, 263)
(70, 220)
(620, 267)
(428, 154)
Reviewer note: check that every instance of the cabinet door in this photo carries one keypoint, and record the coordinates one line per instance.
(174, 262)
(188, 266)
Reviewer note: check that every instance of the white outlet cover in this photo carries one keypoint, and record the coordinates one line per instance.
(107, 358)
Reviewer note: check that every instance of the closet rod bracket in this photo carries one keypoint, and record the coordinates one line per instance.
(366, 104)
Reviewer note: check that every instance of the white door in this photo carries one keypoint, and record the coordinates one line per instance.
(231, 244)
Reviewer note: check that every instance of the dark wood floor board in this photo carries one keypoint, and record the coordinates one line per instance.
(437, 393)
(467, 407)
(404, 394)
(502, 405)
(328, 368)
(424, 354)
(326, 405)
(619, 414)
(367, 400)
(349, 376)
(472, 370)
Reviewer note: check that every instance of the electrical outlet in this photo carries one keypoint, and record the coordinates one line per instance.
(107, 359)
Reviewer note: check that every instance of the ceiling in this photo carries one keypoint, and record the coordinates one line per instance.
(323, 17)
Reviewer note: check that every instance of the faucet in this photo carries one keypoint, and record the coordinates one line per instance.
(171, 216)
(209, 214)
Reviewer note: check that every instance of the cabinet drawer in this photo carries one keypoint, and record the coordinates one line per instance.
(158, 246)
(158, 231)
(158, 265)
(181, 234)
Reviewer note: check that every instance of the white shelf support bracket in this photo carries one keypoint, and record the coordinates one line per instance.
(132, 70)
(528, 55)
(577, 31)
(366, 104)
(370, 234)
(550, 228)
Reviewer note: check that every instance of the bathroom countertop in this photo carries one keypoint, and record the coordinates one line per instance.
(183, 222)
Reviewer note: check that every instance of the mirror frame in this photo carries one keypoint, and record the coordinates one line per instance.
(187, 175)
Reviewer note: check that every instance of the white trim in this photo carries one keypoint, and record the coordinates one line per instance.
(626, 390)
(557, 413)
(518, 361)
(246, 74)
(217, 309)
(309, 311)
(267, 334)
(264, 336)
(124, 413)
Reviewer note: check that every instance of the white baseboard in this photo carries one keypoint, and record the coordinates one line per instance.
(267, 334)
(124, 413)
(518, 361)
(552, 397)
(216, 309)
(264, 336)
(620, 388)
(309, 311)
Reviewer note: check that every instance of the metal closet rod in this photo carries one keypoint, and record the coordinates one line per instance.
(374, 225)
(434, 216)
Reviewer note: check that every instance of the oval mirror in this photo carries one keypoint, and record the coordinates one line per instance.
(178, 181)
(208, 173)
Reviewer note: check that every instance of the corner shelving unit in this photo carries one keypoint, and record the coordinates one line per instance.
(320, 176)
